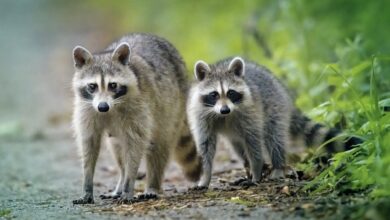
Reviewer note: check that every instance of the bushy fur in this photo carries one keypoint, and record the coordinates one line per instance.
(131, 97)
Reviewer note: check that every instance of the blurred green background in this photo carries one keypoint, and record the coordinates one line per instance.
(333, 55)
(297, 39)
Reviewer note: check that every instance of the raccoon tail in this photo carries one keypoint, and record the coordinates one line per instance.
(187, 156)
(315, 134)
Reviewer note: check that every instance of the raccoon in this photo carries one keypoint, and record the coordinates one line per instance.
(245, 103)
(131, 97)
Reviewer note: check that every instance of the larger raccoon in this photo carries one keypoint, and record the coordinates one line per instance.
(132, 95)
(245, 103)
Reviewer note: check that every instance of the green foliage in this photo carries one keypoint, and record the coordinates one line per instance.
(357, 90)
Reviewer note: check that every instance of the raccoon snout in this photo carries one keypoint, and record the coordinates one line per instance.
(225, 110)
(103, 107)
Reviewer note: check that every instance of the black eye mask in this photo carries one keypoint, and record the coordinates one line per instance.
(85, 93)
(234, 96)
(210, 99)
(119, 91)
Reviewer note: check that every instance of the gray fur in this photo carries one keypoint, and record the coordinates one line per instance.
(258, 123)
(143, 120)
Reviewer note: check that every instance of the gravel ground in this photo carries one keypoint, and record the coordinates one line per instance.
(40, 176)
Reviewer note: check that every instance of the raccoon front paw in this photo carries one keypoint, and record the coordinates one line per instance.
(147, 196)
(110, 196)
(127, 199)
(247, 183)
(87, 199)
(244, 182)
(239, 181)
(198, 188)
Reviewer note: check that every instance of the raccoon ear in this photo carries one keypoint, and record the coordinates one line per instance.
(237, 66)
(122, 53)
(81, 57)
(201, 69)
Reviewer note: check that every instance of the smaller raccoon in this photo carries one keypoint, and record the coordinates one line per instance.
(245, 103)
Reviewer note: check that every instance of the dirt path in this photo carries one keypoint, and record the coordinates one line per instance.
(39, 179)
(41, 176)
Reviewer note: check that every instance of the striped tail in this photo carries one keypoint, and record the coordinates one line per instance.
(187, 156)
(315, 134)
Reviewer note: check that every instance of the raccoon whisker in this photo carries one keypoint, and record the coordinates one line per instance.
(211, 115)
(116, 102)
(209, 112)
(85, 102)
(208, 116)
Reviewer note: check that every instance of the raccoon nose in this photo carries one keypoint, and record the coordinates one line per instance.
(103, 107)
(225, 110)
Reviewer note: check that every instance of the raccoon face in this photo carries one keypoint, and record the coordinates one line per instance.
(103, 81)
(221, 91)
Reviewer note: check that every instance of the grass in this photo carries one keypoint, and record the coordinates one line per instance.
(242, 201)
(363, 169)
(5, 212)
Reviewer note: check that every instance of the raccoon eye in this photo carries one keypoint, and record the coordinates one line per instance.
(214, 95)
(92, 87)
(112, 86)
(210, 99)
(234, 96)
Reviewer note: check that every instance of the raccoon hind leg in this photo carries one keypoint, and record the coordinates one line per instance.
(157, 157)
(276, 139)
(253, 139)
